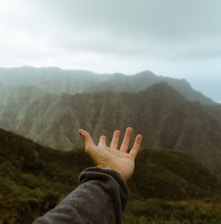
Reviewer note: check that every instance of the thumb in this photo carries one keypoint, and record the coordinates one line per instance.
(88, 141)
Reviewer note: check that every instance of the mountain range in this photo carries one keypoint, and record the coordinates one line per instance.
(175, 180)
(33, 105)
(55, 80)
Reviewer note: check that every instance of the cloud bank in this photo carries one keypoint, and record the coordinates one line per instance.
(175, 38)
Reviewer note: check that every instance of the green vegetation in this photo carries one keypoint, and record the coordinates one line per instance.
(33, 178)
(167, 187)
(172, 175)
(158, 211)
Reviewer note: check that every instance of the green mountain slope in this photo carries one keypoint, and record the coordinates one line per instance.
(34, 179)
(171, 175)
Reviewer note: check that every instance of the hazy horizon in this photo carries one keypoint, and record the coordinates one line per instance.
(179, 39)
(210, 94)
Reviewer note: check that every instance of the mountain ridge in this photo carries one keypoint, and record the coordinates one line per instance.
(164, 116)
(55, 80)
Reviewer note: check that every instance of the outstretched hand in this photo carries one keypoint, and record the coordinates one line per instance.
(121, 160)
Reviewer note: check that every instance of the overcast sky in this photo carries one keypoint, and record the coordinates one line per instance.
(176, 38)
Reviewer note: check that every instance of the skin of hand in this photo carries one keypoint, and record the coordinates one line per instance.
(119, 159)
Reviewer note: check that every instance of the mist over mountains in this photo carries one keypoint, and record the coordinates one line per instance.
(49, 106)
(55, 80)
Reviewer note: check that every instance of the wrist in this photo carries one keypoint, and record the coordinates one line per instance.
(110, 168)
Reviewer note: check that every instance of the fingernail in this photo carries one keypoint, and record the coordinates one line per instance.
(80, 132)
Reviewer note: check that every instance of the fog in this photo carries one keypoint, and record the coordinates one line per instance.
(173, 38)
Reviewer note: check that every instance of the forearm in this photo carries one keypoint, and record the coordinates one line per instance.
(100, 198)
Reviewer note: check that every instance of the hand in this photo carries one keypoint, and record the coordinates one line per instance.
(121, 160)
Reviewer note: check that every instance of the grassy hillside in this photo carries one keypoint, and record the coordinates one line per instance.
(33, 179)
(167, 187)
(171, 175)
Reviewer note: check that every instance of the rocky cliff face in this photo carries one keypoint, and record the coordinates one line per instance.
(164, 117)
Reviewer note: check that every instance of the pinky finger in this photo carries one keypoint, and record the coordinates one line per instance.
(136, 146)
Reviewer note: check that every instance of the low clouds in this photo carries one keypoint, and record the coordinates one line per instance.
(157, 28)
(170, 37)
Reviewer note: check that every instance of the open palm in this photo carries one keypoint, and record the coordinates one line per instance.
(120, 159)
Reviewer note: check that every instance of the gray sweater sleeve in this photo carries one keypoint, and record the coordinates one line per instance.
(100, 198)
